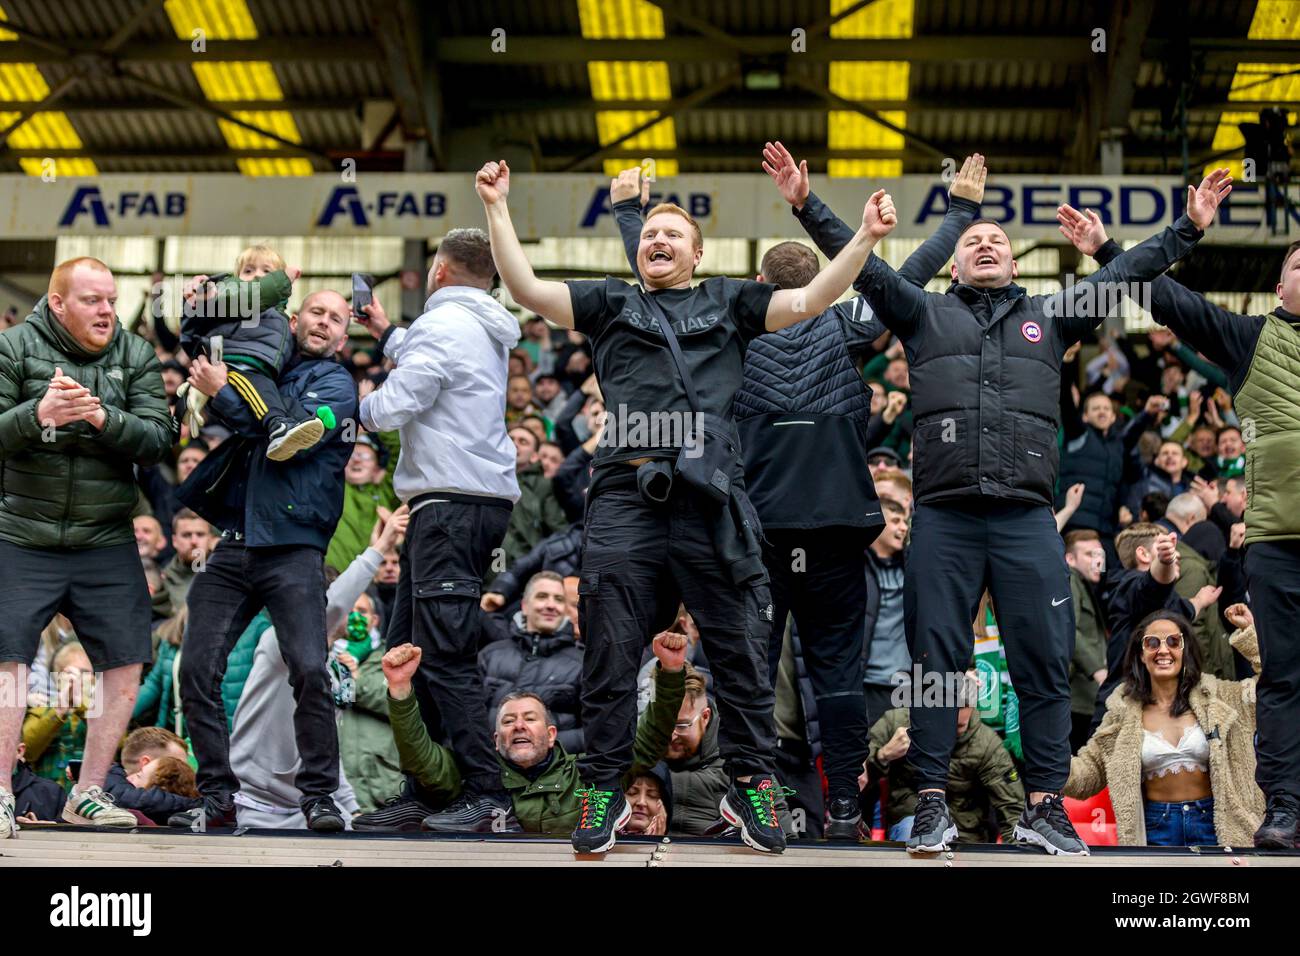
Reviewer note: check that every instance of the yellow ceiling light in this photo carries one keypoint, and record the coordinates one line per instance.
(278, 122)
(884, 19)
(219, 19)
(620, 20)
(626, 79)
(1273, 20)
(269, 166)
(250, 80)
(1265, 81)
(611, 124)
(22, 81)
(868, 80)
(862, 80)
(45, 130)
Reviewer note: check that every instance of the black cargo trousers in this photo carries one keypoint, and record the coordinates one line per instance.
(449, 548)
(638, 560)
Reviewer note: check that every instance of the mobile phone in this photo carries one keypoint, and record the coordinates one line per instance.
(74, 770)
(362, 294)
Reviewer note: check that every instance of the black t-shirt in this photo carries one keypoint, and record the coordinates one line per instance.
(715, 321)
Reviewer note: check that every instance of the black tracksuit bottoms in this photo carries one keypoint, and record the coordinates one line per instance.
(958, 549)
(638, 559)
(449, 546)
(1273, 569)
(819, 575)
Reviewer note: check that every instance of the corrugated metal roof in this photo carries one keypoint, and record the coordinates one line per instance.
(83, 20)
(355, 81)
(1048, 17)
(310, 17)
(1048, 132)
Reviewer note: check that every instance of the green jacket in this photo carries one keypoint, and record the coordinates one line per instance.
(1266, 405)
(77, 489)
(157, 704)
(1216, 652)
(1089, 647)
(53, 742)
(536, 514)
(240, 663)
(980, 774)
(549, 804)
(366, 745)
(361, 504)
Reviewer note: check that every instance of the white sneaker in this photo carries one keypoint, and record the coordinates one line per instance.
(92, 807)
(8, 817)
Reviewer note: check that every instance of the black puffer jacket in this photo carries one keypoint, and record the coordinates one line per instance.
(560, 552)
(75, 487)
(549, 665)
(985, 369)
(803, 412)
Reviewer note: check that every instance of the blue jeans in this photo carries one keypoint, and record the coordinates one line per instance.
(1181, 824)
(902, 830)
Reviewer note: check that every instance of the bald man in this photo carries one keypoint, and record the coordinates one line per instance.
(81, 403)
(276, 520)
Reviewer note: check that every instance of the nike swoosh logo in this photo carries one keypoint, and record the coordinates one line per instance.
(1060, 602)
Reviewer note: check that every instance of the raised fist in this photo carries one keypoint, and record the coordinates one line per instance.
(493, 182)
(878, 216)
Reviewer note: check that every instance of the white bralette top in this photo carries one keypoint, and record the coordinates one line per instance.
(1160, 758)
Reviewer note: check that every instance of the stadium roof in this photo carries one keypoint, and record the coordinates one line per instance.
(858, 87)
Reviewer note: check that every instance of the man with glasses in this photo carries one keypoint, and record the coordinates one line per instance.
(698, 772)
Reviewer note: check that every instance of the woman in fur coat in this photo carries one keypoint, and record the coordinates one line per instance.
(1176, 747)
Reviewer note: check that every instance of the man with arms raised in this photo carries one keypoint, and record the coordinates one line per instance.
(691, 543)
(984, 360)
(1261, 354)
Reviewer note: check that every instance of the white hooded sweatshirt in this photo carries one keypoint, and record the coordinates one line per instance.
(447, 397)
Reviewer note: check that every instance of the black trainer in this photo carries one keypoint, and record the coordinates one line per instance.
(214, 813)
(1045, 824)
(396, 813)
(1278, 831)
(844, 819)
(932, 828)
(601, 814)
(752, 807)
(323, 815)
(474, 813)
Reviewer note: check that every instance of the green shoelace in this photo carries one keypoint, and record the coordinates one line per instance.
(595, 804)
(764, 801)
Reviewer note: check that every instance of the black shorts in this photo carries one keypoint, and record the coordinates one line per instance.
(102, 591)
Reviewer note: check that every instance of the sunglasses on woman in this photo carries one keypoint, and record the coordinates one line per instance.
(1152, 642)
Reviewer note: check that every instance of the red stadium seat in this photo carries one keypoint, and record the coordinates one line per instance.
(1094, 818)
